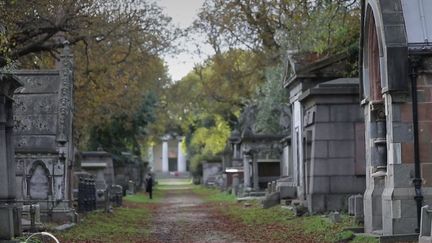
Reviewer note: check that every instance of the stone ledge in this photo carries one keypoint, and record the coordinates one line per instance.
(392, 238)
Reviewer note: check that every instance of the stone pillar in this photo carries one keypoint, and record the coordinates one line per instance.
(9, 213)
(151, 157)
(181, 159)
(235, 184)
(246, 172)
(255, 172)
(165, 154)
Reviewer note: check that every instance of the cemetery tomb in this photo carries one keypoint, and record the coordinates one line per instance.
(324, 154)
(43, 139)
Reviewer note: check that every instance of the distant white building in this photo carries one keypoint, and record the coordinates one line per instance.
(168, 156)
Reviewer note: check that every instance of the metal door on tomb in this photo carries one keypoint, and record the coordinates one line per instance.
(172, 164)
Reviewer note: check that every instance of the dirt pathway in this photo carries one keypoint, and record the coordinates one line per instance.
(182, 216)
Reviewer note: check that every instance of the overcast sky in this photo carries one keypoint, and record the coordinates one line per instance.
(183, 13)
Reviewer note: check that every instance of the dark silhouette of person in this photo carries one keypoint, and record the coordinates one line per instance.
(149, 185)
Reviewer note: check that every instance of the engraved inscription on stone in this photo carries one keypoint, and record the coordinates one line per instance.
(39, 184)
(35, 103)
(42, 82)
(35, 124)
(40, 143)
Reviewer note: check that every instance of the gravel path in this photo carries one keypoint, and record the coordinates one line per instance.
(183, 217)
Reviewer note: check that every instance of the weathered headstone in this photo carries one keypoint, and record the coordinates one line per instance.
(355, 206)
(100, 165)
(117, 195)
(210, 171)
(235, 184)
(131, 187)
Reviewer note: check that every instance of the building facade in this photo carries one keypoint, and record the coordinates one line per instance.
(168, 156)
(323, 156)
(396, 99)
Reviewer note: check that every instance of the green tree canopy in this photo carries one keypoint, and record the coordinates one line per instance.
(119, 74)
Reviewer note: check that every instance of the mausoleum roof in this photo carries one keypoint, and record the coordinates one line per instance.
(95, 153)
(418, 23)
(94, 164)
(318, 69)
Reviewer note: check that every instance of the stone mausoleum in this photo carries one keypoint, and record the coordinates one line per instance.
(168, 156)
(100, 165)
(323, 156)
(397, 104)
(43, 139)
(255, 154)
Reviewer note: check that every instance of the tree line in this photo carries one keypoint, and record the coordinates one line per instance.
(251, 41)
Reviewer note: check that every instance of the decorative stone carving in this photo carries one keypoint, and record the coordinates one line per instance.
(43, 138)
(39, 182)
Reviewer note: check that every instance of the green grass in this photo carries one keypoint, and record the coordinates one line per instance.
(276, 223)
(173, 182)
(142, 197)
(366, 239)
(317, 226)
(255, 215)
(125, 224)
(213, 195)
(323, 229)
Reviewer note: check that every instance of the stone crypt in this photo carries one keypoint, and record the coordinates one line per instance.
(323, 156)
(43, 139)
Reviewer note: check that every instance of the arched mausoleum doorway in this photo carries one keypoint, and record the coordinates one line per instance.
(39, 182)
(394, 34)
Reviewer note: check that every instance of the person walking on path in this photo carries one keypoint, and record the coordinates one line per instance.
(149, 185)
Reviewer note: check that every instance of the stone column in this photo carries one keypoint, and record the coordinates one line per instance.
(9, 213)
(235, 184)
(181, 159)
(165, 154)
(255, 172)
(151, 157)
(246, 171)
